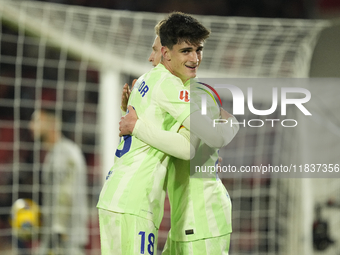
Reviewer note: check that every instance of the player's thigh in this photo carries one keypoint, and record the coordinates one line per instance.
(216, 245)
(126, 234)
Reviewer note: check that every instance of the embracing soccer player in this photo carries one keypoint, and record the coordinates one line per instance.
(131, 201)
(200, 205)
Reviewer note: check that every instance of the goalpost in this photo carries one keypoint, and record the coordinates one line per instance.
(78, 59)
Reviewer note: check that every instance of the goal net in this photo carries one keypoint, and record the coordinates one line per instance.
(76, 59)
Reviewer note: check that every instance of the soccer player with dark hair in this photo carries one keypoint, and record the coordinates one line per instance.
(131, 201)
(200, 207)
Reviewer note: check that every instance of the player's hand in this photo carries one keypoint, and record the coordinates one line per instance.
(224, 114)
(126, 94)
(219, 165)
(128, 122)
(219, 162)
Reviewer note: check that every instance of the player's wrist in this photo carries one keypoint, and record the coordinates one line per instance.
(122, 111)
(134, 128)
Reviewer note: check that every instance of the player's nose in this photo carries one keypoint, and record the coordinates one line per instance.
(194, 57)
(151, 57)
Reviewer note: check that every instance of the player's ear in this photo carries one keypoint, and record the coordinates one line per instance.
(166, 53)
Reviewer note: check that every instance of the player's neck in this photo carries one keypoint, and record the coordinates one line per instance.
(167, 65)
(51, 139)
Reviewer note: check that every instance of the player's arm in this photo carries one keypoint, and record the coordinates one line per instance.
(180, 145)
(203, 127)
(170, 98)
(173, 144)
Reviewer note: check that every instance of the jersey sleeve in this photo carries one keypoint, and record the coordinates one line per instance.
(174, 98)
(214, 136)
(174, 144)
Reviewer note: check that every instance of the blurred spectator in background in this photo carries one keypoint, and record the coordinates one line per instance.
(64, 202)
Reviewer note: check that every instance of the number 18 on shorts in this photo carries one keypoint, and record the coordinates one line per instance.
(148, 244)
(126, 234)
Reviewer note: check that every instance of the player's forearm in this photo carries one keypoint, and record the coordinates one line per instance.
(171, 143)
(215, 137)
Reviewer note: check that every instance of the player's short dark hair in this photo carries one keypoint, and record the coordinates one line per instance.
(180, 27)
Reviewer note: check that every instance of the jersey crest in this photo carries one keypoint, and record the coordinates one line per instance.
(184, 95)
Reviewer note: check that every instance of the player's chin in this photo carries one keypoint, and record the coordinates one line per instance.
(192, 75)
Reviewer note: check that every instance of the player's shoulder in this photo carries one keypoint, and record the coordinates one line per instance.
(170, 81)
(139, 81)
(72, 156)
(159, 77)
(66, 148)
(68, 144)
(164, 76)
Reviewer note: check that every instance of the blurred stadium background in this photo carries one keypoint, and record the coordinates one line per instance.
(76, 55)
